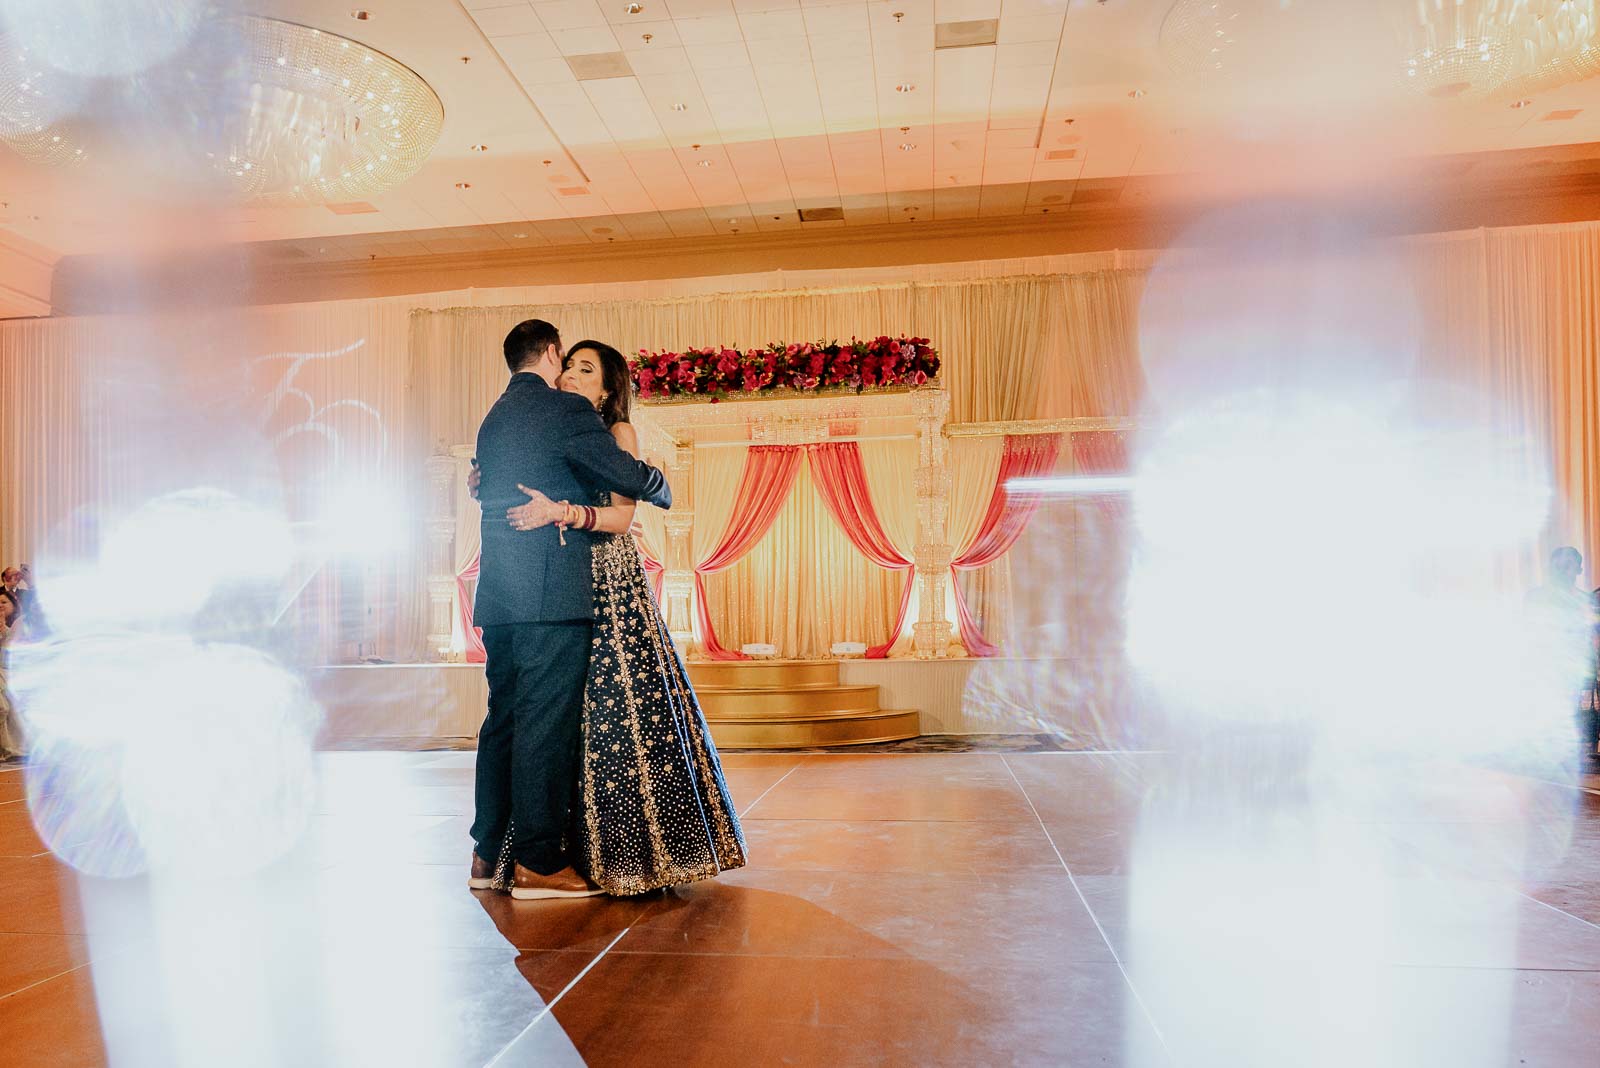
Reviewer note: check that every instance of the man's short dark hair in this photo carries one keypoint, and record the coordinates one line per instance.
(1566, 558)
(527, 340)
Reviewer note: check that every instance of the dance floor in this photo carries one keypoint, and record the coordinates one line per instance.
(899, 908)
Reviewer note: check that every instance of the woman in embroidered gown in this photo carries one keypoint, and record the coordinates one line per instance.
(652, 808)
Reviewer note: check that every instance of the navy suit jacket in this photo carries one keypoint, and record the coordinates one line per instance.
(555, 443)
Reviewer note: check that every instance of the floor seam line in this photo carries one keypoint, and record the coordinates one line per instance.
(41, 982)
(553, 1002)
(1115, 956)
(769, 789)
(1557, 908)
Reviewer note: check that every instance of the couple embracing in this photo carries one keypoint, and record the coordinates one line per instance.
(595, 770)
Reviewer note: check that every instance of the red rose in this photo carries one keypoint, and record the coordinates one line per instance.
(918, 378)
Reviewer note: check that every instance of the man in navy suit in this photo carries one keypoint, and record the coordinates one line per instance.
(535, 604)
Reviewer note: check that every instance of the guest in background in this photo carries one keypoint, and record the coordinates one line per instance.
(1563, 617)
(10, 736)
(1589, 709)
(15, 589)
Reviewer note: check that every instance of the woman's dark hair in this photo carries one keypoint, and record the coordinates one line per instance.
(614, 378)
(8, 609)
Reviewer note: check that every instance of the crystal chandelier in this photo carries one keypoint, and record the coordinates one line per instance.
(282, 113)
(1479, 48)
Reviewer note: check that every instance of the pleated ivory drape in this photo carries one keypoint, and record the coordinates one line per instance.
(103, 413)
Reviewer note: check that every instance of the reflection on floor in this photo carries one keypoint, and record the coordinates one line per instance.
(923, 908)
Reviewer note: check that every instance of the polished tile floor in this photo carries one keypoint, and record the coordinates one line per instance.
(934, 908)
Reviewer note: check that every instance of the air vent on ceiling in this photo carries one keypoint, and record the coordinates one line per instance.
(599, 65)
(1062, 153)
(354, 207)
(574, 191)
(831, 214)
(968, 34)
(1562, 116)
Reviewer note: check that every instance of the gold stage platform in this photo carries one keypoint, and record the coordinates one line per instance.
(775, 704)
(793, 704)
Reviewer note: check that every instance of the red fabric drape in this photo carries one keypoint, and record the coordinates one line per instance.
(475, 653)
(652, 567)
(769, 472)
(1024, 456)
(841, 480)
(1103, 452)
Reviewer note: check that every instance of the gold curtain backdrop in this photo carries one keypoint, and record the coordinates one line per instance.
(804, 586)
(91, 402)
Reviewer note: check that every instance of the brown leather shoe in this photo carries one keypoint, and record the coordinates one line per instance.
(482, 874)
(531, 886)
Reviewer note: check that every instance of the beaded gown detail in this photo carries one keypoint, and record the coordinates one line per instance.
(652, 808)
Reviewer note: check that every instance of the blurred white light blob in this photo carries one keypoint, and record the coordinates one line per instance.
(151, 748)
(1317, 598)
(192, 542)
(1067, 486)
(363, 519)
(196, 541)
(236, 730)
(1301, 489)
(102, 38)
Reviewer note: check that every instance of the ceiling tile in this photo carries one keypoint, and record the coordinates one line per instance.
(585, 40)
(660, 61)
(782, 25)
(965, 10)
(569, 14)
(715, 29)
(693, 9)
(527, 48)
(1018, 29)
(627, 114)
(507, 21)
(839, 20)
(1027, 54)
(709, 59)
(691, 222)
(663, 36)
(848, 46)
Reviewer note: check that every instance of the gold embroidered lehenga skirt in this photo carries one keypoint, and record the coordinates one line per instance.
(652, 808)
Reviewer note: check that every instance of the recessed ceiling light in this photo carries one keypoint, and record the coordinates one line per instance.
(705, 163)
(602, 229)
(360, 14)
(906, 146)
(904, 87)
(733, 222)
(1137, 93)
(480, 148)
(1522, 103)
(633, 9)
(680, 107)
(519, 237)
(463, 185)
